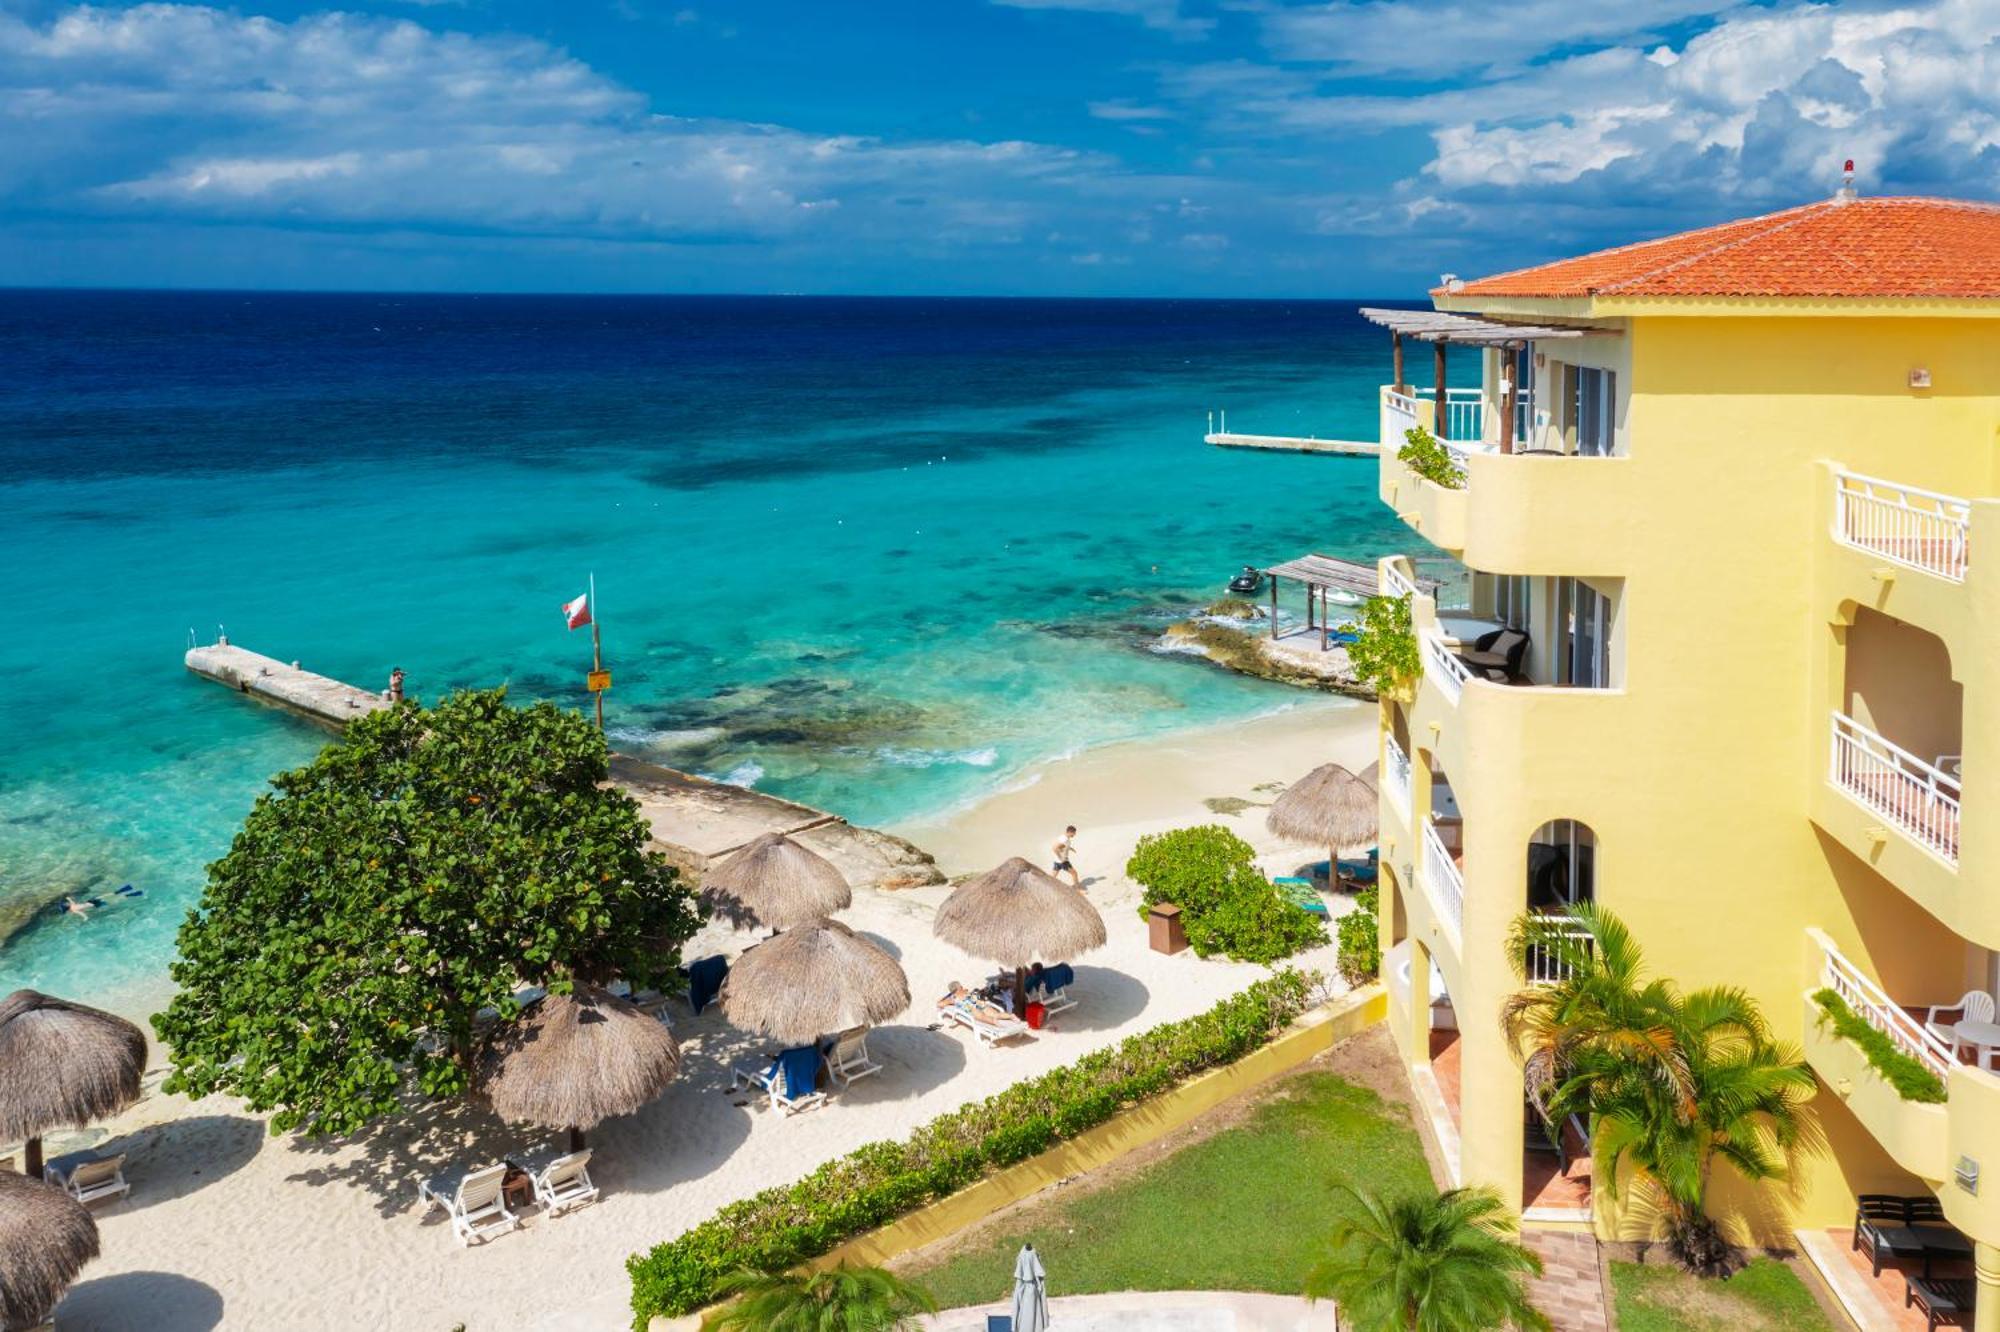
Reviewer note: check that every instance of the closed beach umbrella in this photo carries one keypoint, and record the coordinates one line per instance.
(1031, 1292)
(62, 1065)
(1016, 914)
(776, 883)
(808, 982)
(573, 1060)
(1329, 807)
(46, 1237)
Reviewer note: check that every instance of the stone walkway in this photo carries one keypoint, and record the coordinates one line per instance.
(1570, 1290)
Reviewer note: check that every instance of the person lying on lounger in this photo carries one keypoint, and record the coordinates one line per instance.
(973, 1006)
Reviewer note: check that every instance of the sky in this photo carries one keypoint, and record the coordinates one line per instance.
(1007, 147)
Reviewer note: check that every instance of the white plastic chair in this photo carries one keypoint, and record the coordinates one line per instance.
(87, 1177)
(989, 1022)
(1972, 1006)
(849, 1059)
(475, 1202)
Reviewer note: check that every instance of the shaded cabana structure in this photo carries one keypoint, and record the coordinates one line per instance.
(1441, 330)
(1326, 581)
(1329, 807)
(774, 882)
(1017, 914)
(571, 1061)
(62, 1065)
(46, 1237)
(813, 981)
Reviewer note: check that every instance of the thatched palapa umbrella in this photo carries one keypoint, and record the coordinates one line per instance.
(573, 1060)
(805, 983)
(774, 882)
(1016, 914)
(46, 1237)
(1329, 807)
(62, 1065)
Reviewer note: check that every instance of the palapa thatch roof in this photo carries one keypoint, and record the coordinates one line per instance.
(811, 982)
(63, 1064)
(1016, 914)
(1329, 806)
(574, 1060)
(46, 1237)
(774, 882)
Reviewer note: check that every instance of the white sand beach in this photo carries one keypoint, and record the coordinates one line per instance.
(229, 1227)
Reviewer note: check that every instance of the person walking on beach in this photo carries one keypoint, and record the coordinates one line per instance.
(1065, 851)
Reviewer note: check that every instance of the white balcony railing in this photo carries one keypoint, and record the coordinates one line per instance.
(1399, 415)
(1918, 529)
(1464, 414)
(1443, 666)
(1918, 797)
(1396, 583)
(1396, 774)
(1875, 1008)
(1447, 885)
(1546, 966)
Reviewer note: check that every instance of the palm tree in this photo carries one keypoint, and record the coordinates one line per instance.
(1444, 1262)
(842, 1299)
(1671, 1081)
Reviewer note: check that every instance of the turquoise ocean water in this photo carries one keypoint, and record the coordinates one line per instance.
(875, 555)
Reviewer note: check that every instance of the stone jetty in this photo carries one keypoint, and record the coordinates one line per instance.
(694, 820)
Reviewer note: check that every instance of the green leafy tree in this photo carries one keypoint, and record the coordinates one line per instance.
(1227, 905)
(1360, 937)
(844, 1299)
(1673, 1083)
(1446, 1262)
(1424, 455)
(1384, 653)
(422, 867)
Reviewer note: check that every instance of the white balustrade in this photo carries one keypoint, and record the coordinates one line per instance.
(1546, 966)
(1396, 774)
(1447, 885)
(1875, 1008)
(1920, 798)
(1443, 666)
(1396, 583)
(1399, 416)
(1918, 529)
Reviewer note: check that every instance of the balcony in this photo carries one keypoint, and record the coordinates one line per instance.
(1444, 881)
(1917, 798)
(1396, 774)
(1916, 529)
(1405, 409)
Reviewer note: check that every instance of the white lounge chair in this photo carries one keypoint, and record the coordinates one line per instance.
(1972, 1006)
(562, 1180)
(770, 1079)
(88, 1177)
(476, 1202)
(987, 1021)
(1054, 999)
(849, 1059)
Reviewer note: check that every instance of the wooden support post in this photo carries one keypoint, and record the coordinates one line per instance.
(1274, 608)
(1506, 401)
(1396, 355)
(1443, 418)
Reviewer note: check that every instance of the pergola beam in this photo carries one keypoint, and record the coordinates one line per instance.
(1438, 327)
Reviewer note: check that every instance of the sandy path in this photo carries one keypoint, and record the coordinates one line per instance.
(227, 1227)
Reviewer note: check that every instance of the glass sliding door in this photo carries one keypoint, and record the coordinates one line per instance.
(1593, 409)
(1583, 618)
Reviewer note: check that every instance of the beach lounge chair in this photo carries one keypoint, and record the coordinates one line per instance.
(848, 1059)
(790, 1081)
(1052, 985)
(561, 1179)
(705, 978)
(1496, 655)
(1300, 893)
(87, 1177)
(1361, 871)
(986, 1020)
(474, 1201)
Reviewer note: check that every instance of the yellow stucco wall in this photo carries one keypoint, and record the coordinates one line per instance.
(1701, 776)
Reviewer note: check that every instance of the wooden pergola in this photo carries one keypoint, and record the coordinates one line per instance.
(1323, 574)
(1441, 329)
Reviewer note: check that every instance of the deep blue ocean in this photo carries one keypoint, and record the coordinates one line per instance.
(877, 555)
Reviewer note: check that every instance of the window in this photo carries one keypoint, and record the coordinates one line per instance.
(1510, 599)
(1593, 410)
(1583, 623)
(1562, 865)
(1524, 392)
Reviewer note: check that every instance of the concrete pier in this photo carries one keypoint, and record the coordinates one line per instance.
(1357, 448)
(694, 820)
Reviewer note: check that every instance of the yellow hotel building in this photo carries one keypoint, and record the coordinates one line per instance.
(1727, 511)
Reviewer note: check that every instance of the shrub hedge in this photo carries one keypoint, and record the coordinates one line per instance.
(1360, 955)
(1227, 905)
(1912, 1081)
(1423, 454)
(875, 1184)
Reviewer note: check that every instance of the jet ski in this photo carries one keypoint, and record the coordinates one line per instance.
(1247, 583)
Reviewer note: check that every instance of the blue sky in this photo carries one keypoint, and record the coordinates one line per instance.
(1087, 147)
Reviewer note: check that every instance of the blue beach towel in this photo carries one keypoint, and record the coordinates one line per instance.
(1057, 977)
(705, 980)
(801, 1070)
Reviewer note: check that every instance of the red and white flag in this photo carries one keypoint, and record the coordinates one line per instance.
(577, 612)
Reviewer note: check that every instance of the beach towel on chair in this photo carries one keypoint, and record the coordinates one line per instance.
(800, 1069)
(1058, 977)
(705, 980)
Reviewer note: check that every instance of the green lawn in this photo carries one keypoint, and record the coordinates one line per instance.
(1246, 1209)
(1766, 1296)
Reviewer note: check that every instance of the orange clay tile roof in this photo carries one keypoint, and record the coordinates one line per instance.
(1857, 248)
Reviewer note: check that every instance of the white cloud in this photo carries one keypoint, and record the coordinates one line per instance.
(1434, 38)
(1165, 16)
(1121, 109)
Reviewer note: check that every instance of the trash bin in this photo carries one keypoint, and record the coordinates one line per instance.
(1168, 935)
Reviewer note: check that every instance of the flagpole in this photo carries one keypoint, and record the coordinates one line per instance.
(596, 653)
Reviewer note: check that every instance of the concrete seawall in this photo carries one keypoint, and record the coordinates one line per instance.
(694, 820)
